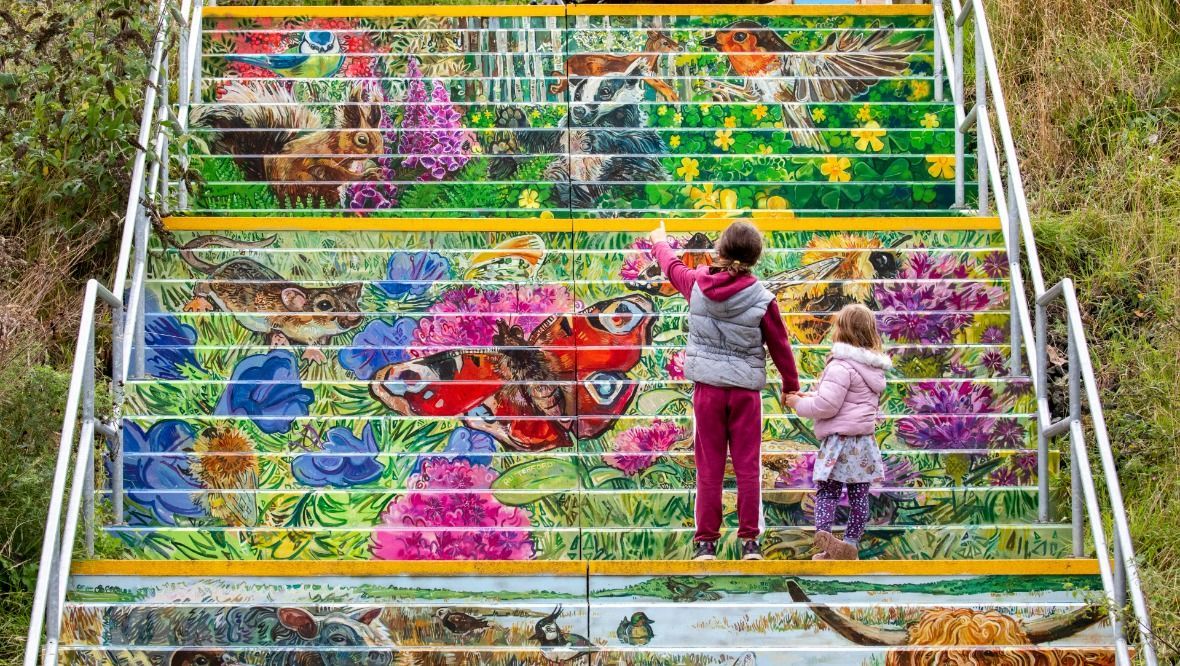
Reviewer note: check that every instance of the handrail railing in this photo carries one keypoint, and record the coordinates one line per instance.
(1117, 566)
(150, 189)
(58, 543)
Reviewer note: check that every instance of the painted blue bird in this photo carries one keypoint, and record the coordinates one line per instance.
(318, 57)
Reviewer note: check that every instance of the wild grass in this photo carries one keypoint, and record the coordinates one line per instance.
(1094, 89)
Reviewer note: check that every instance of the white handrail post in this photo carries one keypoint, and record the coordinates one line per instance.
(1014, 365)
(1043, 403)
(87, 480)
(1078, 506)
(960, 111)
(938, 64)
(981, 105)
(140, 297)
(50, 541)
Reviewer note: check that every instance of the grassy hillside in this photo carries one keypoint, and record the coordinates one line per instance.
(1093, 85)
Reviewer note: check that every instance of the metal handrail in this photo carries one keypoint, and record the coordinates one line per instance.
(1118, 569)
(58, 543)
(149, 187)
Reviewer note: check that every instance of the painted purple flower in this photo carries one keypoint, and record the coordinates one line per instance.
(951, 397)
(1004, 476)
(526, 306)
(932, 311)
(381, 343)
(266, 388)
(428, 521)
(157, 475)
(995, 264)
(946, 432)
(167, 343)
(995, 362)
(345, 460)
(474, 446)
(433, 139)
(410, 273)
(1008, 433)
(640, 447)
(993, 335)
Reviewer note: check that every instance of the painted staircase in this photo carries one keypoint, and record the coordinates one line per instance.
(413, 387)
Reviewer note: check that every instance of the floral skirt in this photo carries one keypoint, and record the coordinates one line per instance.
(849, 459)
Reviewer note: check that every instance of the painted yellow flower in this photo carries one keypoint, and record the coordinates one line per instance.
(677, 118)
(730, 122)
(759, 112)
(704, 196)
(819, 115)
(929, 121)
(779, 124)
(919, 90)
(941, 166)
(836, 169)
(708, 198)
(764, 149)
(529, 199)
(688, 169)
(705, 109)
(773, 202)
(662, 110)
(674, 141)
(536, 113)
(475, 117)
(546, 215)
(865, 114)
(869, 137)
(724, 139)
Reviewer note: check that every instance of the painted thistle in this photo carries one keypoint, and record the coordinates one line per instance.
(446, 517)
(638, 448)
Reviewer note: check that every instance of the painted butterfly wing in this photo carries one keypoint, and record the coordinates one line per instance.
(697, 252)
(611, 335)
(443, 384)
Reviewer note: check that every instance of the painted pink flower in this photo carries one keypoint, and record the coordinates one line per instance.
(640, 447)
(526, 306)
(444, 517)
(433, 138)
(675, 365)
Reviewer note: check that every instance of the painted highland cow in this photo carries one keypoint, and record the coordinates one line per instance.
(965, 637)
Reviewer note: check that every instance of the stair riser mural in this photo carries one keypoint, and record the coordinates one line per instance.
(400, 431)
(632, 620)
(578, 116)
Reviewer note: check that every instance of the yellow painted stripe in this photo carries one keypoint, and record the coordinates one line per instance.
(296, 569)
(289, 569)
(291, 11)
(836, 568)
(363, 224)
(748, 10)
(766, 222)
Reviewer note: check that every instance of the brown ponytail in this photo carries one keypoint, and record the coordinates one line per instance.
(739, 248)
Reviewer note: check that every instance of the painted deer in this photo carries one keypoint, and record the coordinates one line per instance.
(607, 64)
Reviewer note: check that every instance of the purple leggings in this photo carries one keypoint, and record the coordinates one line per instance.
(827, 498)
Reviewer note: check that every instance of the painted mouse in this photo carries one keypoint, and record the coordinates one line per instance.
(264, 302)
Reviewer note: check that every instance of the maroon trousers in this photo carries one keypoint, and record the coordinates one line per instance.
(727, 419)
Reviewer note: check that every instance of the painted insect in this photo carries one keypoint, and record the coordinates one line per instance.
(571, 369)
(697, 252)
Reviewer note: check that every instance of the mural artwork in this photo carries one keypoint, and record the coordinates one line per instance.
(579, 116)
(548, 620)
(502, 395)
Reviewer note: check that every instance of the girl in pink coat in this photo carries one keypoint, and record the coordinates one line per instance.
(844, 406)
